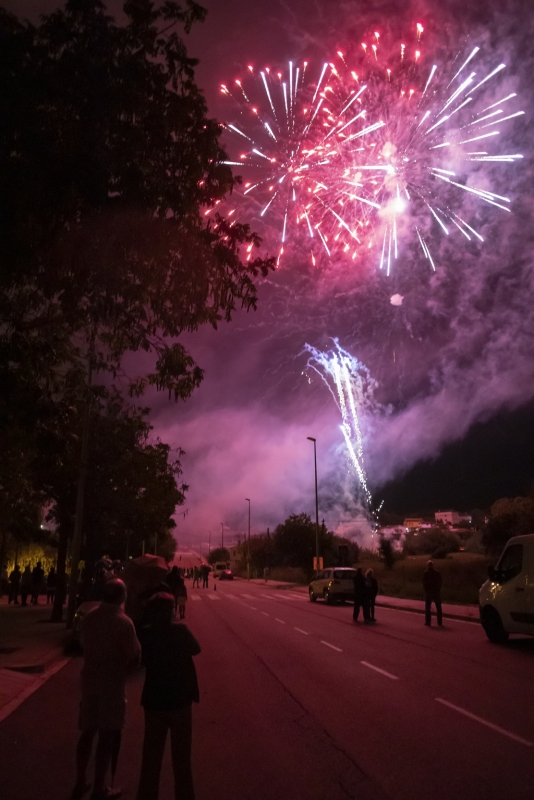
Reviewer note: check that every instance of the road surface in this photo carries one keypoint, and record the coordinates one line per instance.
(299, 702)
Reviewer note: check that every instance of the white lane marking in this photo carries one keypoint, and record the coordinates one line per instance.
(229, 595)
(301, 631)
(485, 722)
(248, 596)
(295, 596)
(265, 614)
(267, 596)
(381, 671)
(213, 597)
(253, 608)
(338, 649)
(280, 620)
(195, 597)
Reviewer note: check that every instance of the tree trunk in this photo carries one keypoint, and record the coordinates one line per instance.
(59, 598)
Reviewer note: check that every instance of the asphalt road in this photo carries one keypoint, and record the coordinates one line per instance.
(299, 702)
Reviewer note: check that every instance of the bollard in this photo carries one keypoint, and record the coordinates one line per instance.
(214, 586)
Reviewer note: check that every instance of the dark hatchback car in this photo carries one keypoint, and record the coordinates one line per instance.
(226, 575)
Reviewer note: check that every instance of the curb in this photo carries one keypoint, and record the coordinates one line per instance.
(447, 615)
(21, 696)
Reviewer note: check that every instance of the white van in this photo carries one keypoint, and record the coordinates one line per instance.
(219, 567)
(506, 600)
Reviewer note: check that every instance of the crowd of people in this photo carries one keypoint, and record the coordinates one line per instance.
(30, 583)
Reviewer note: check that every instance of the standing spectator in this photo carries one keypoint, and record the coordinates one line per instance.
(37, 582)
(168, 694)
(4, 581)
(51, 583)
(432, 589)
(173, 580)
(196, 576)
(371, 590)
(14, 583)
(180, 598)
(110, 650)
(205, 572)
(25, 584)
(359, 596)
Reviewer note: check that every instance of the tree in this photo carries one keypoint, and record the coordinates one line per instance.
(385, 550)
(131, 492)
(219, 554)
(110, 164)
(508, 517)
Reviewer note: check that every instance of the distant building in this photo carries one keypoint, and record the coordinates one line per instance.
(412, 523)
(452, 517)
(447, 517)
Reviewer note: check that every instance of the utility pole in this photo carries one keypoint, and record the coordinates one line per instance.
(248, 549)
(311, 439)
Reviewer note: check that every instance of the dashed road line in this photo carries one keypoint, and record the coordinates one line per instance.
(301, 631)
(248, 596)
(332, 646)
(280, 620)
(213, 597)
(195, 597)
(381, 671)
(265, 614)
(485, 722)
(253, 608)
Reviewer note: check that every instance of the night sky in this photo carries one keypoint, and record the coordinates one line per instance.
(452, 423)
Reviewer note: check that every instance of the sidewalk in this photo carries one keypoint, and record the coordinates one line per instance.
(450, 610)
(29, 647)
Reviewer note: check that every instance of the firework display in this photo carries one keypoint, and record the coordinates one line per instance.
(352, 387)
(378, 146)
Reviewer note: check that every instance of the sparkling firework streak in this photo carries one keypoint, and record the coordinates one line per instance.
(350, 384)
(373, 148)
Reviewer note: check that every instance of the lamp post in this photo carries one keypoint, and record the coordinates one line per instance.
(248, 549)
(311, 439)
(222, 534)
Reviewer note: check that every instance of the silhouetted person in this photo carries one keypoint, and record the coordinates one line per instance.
(432, 589)
(205, 573)
(25, 584)
(173, 580)
(51, 584)
(196, 576)
(110, 650)
(37, 582)
(168, 694)
(4, 581)
(359, 596)
(371, 591)
(14, 584)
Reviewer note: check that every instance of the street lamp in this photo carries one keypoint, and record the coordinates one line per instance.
(222, 534)
(248, 549)
(311, 439)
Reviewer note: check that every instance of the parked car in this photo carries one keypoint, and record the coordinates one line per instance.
(333, 585)
(506, 599)
(226, 575)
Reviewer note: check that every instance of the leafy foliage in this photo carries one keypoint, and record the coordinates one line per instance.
(219, 554)
(386, 552)
(428, 541)
(508, 517)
